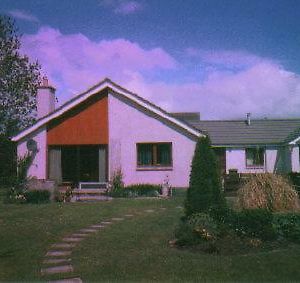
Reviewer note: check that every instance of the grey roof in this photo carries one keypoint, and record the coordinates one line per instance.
(259, 132)
(189, 117)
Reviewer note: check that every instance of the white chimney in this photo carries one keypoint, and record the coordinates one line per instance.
(248, 116)
(45, 98)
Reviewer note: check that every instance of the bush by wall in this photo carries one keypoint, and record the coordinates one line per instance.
(8, 161)
(147, 190)
(37, 196)
(136, 190)
(268, 191)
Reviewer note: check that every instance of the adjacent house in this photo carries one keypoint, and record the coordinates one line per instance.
(108, 128)
(252, 145)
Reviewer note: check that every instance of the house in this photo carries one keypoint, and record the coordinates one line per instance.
(253, 145)
(108, 128)
(105, 129)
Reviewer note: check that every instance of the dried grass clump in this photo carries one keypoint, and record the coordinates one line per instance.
(268, 191)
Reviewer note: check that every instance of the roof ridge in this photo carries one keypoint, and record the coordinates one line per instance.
(243, 120)
(112, 87)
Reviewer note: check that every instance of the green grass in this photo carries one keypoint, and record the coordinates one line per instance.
(132, 250)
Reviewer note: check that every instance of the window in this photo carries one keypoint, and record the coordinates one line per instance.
(255, 157)
(154, 154)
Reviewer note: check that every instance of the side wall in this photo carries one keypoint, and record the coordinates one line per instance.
(277, 160)
(129, 126)
(38, 167)
(236, 159)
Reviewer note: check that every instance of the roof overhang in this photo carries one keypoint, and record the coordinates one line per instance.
(106, 84)
(294, 141)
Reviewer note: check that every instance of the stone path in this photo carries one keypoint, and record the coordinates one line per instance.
(58, 259)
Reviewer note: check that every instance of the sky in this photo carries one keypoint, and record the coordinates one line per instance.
(220, 58)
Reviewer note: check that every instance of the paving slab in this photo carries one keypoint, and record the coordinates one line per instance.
(58, 253)
(57, 269)
(72, 240)
(64, 245)
(68, 280)
(106, 222)
(162, 208)
(128, 215)
(88, 230)
(80, 235)
(117, 219)
(97, 226)
(56, 260)
(149, 210)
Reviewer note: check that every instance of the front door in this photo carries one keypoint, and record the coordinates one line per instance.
(220, 153)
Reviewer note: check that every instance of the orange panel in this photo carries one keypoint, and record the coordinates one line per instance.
(85, 124)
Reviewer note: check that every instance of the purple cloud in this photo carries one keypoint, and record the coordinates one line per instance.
(74, 62)
(22, 15)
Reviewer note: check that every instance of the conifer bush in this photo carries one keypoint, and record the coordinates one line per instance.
(204, 193)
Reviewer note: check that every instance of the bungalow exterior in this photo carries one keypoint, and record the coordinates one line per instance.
(108, 128)
(252, 146)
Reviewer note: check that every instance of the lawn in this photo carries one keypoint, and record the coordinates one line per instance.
(132, 250)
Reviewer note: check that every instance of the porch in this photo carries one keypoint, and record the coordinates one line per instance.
(74, 164)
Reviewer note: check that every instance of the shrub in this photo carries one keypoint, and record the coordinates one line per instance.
(253, 223)
(19, 182)
(204, 190)
(204, 226)
(37, 196)
(8, 161)
(268, 191)
(147, 190)
(136, 190)
(295, 179)
(117, 186)
(287, 226)
(14, 196)
(63, 195)
(197, 228)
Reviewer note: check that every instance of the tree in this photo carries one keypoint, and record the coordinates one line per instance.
(204, 192)
(19, 79)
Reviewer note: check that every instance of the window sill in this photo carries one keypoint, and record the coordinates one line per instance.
(154, 168)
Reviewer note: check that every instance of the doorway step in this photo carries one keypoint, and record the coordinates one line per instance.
(89, 195)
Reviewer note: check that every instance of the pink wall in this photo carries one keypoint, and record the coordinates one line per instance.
(274, 160)
(236, 159)
(38, 167)
(128, 126)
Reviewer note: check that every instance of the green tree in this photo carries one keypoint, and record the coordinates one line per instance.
(19, 79)
(204, 192)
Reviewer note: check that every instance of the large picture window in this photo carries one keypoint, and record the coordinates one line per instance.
(255, 157)
(154, 154)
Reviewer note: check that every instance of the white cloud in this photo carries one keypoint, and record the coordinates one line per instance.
(74, 63)
(124, 7)
(23, 15)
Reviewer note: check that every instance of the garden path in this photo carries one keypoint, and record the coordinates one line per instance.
(57, 261)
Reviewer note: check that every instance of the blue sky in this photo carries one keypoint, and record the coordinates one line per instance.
(222, 58)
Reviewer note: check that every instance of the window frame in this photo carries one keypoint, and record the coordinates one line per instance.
(155, 165)
(254, 165)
